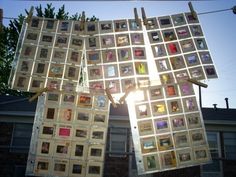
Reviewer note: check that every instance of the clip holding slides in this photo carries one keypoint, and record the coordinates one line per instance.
(144, 16)
(1, 17)
(82, 24)
(110, 97)
(38, 93)
(28, 18)
(197, 83)
(193, 12)
(137, 20)
(128, 90)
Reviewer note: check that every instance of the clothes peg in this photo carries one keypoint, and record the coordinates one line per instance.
(127, 91)
(144, 16)
(82, 23)
(193, 12)
(234, 9)
(28, 18)
(38, 93)
(197, 83)
(136, 17)
(1, 17)
(107, 90)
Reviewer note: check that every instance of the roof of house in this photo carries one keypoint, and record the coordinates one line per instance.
(16, 103)
(21, 104)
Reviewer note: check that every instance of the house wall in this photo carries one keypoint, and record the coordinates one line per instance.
(116, 166)
(228, 166)
(185, 172)
(10, 161)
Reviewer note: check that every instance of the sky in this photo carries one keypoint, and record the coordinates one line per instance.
(219, 30)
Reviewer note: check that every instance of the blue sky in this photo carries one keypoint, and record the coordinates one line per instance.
(219, 30)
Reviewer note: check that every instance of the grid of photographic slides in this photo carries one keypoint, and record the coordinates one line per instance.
(52, 50)
(116, 57)
(168, 128)
(115, 52)
(49, 56)
(72, 135)
(180, 49)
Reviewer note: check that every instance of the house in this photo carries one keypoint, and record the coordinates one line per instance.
(16, 121)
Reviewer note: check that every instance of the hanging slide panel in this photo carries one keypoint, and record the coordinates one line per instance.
(118, 60)
(69, 135)
(50, 52)
(179, 49)
(167, 128)
(50, 55)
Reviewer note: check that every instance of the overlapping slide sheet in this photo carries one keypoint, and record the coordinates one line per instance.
(114, 52)
(167, 128)
(69, 135)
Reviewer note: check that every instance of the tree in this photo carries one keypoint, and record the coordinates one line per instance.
(9, 37)
(8, 42)
(62, 15)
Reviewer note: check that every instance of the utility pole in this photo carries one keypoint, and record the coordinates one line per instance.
(199, 84)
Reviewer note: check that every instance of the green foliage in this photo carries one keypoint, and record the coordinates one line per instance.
(4, 64)
(8, 42)
(39, 11)
(61, 14)
(92, 19)
(75, 17)
(49, 11)
(9, 38)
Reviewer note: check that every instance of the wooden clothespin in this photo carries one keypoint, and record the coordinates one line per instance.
(28, 18)
(128, 90)
(107, 90)
(38, 93)
(1, 18)
(193, 12)
(144, 16)
(137, 20)
(234, 9)
(194, 81)
(82, 23)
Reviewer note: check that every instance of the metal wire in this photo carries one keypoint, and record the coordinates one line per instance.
(215, 11)
(202, 13)
(10, 18)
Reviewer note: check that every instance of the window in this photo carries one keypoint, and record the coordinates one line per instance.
(5, 134)
(21, 137)
(230, 145)
(213, 169)
(19, 171)
(118, 141)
